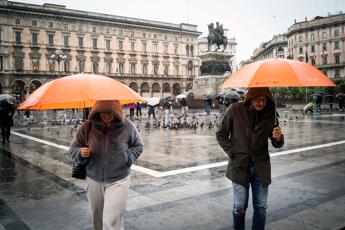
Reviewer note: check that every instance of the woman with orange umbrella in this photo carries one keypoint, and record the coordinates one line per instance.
(107, 144)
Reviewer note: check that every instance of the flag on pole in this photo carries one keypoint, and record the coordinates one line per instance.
(306, 57)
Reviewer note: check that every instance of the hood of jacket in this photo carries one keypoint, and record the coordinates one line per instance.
(256, 92)
(110, 106)
(269, 110)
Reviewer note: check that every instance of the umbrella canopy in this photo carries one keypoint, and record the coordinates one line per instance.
(180, 96)
(4, 97)
(153, 101)
(340, 95)
(167, 98)
(277, 72)
(232, 95)
(79, 91)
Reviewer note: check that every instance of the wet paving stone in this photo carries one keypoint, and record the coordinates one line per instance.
(36, 191)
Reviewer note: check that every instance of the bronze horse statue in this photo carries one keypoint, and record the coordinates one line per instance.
(215, 36)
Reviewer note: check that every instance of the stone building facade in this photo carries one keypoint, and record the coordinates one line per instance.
(153, 58)
(276, 47)
(320, 42)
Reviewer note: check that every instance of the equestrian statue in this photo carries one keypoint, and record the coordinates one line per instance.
(216, 36)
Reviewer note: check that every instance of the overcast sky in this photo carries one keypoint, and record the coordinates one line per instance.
(251, 22)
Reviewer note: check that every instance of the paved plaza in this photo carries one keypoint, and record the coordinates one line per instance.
(178, 182)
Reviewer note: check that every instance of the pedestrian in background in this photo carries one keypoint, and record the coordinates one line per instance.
(184, 105)
(108, 149)
(167, 111)
(131, 108)
(151, 111)
(243, 134)
(341, 99)
(86, 112)
(6, 120)
(318, 102)
(207, 104)
(138, 107)
(330, 100)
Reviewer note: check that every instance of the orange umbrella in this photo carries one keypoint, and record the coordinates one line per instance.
(79, 91)
(277, 72)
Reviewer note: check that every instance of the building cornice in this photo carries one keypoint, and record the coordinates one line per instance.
(317, 23)
(59, 11)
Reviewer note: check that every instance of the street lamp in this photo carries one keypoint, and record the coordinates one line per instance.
(58, 56)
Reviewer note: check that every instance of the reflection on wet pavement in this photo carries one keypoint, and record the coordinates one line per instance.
(35, 182)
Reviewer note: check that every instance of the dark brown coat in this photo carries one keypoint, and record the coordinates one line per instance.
(244, 134)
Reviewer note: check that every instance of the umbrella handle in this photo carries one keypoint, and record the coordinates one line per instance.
(87, 131)
(275, 113)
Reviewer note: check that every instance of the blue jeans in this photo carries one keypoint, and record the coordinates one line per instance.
(241, 195)
(318, 108)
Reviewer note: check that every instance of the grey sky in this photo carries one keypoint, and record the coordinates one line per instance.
(249, 21)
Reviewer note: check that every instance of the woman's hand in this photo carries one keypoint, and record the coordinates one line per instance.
(85, 151)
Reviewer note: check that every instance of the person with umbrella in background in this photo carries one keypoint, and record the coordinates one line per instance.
(341, 98)
(108, 143)
(167, 107)
(152, 103)
(243, 134)
(184, 105)
(330, 100)
(6, 120)
(207, 104)
(317, 98)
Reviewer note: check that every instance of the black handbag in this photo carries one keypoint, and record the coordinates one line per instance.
(79, 170)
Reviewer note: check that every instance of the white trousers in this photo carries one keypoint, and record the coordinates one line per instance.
(107, 203)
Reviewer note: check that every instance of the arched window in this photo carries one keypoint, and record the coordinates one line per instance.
(108, 67)
(166, 70)
(187, 50)
(121, 68)
(190, 68)
(35, 65)
(81, 67)
(95, 67)
(176, 70)
(144, 72)
(66, 66)
(155, 69)
(132, 68)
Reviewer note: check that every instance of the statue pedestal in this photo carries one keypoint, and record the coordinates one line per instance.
(215, 69)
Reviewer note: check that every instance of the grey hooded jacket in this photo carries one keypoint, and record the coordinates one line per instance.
(114, 147)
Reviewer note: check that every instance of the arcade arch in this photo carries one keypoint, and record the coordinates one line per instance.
(19, 89)
(189, 87)
(156, 90)
(176, 89)
(134, 86)
(145, 90)
(33, 85)
(166, 89)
